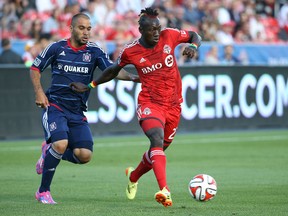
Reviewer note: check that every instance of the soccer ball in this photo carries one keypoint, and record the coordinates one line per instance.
(202, 187)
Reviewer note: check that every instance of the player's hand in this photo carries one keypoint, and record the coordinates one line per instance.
(79, 87)
(41, 100)
(189, 51)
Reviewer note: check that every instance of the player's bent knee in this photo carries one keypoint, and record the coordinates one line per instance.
(83, 155)
(156, 137)
(85, 160)
(60, 146)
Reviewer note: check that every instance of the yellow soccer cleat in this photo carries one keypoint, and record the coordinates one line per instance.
(164, 197)
(131, 189)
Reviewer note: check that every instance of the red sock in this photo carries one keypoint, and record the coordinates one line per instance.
(143, 167)
(158, 159)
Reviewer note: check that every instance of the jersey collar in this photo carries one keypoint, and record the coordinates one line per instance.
(74, 48)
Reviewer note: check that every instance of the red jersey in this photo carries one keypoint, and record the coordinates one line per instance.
(157, 68)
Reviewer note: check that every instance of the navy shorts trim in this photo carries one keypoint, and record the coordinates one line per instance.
(82, 144)
(58, 136)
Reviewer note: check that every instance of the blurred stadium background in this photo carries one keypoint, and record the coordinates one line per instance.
(239, 80)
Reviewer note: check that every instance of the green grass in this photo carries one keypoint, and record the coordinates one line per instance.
(251, 170)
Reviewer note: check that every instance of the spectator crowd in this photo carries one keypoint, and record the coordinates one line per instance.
(224, 21)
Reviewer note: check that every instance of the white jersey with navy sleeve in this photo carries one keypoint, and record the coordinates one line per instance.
(69, 64)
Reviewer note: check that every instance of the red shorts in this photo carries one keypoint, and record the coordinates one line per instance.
(168, 117)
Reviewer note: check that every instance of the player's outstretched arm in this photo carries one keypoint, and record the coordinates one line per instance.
(107, 75)
(126, 76)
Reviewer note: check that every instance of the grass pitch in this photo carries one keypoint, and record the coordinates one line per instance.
(250, 168)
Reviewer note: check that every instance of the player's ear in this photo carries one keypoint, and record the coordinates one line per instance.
(140, 29)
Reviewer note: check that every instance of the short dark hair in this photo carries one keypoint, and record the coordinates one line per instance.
(5, 42)
(147, 13)
(77, 16)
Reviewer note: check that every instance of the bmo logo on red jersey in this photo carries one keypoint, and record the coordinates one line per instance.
(169, 61)
(153, 67)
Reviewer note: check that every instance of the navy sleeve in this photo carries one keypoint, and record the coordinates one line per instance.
(103, 60)
(44, 59)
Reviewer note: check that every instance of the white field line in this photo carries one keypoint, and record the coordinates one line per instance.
(192, 141)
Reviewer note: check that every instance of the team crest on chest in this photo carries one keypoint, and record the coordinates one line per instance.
(87, 57)
(167, 49)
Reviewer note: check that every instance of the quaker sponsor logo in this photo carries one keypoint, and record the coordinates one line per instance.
(75, 69)
(37, 62)
(167, 49)
(87, 57)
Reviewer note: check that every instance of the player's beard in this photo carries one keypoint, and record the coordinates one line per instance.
(81, 40)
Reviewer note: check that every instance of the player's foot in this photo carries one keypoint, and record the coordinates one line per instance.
(44, 197)
(131, 189)
(40, 162)
(164, 197)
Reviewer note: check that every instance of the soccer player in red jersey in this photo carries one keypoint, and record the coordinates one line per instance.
(159, 102)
